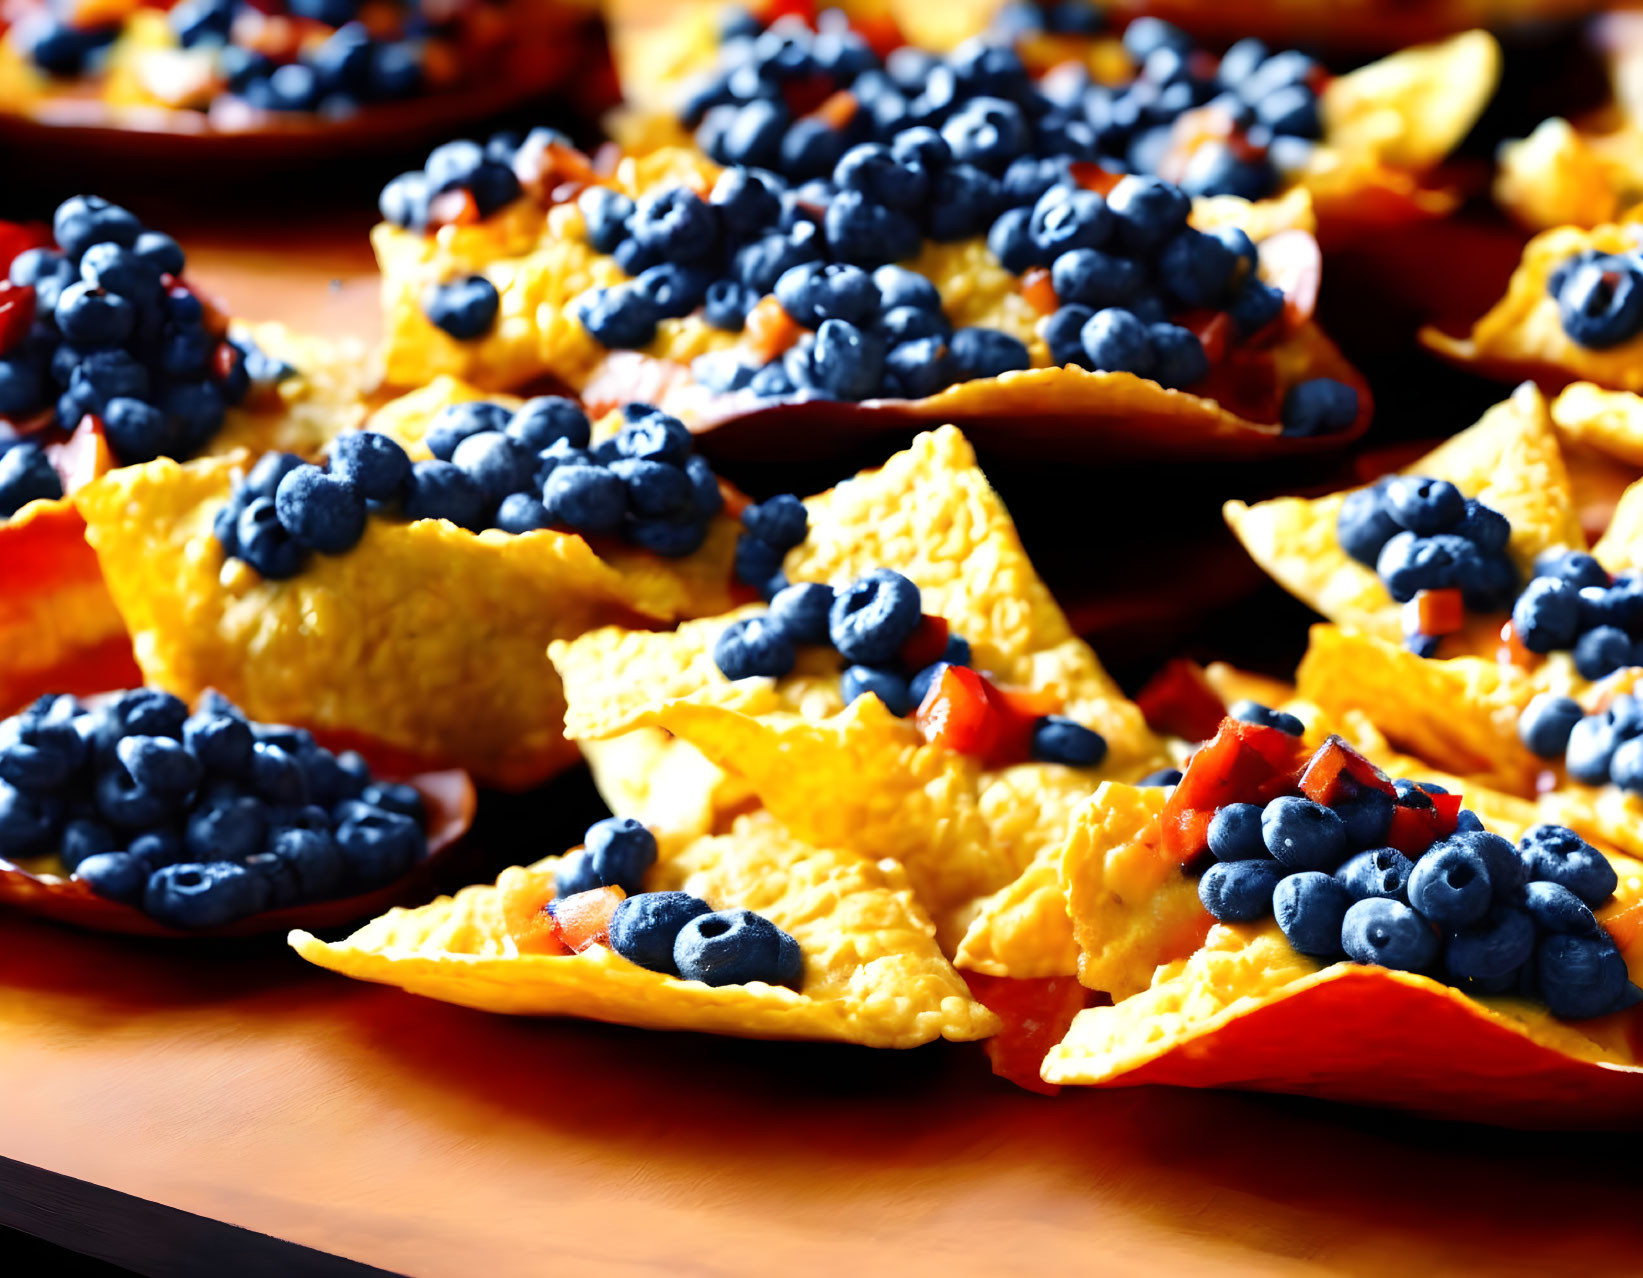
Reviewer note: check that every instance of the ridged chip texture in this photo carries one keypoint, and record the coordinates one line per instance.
(872, 971)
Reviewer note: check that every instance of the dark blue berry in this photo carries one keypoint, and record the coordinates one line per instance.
(1377, 872)
(753, 647)
(1601, 651)
(441, 490)
(985, 352)
(654, 436)
(1236, 891)
(1066, 219)
(620, 850)
(321, 511)
(377, 846)
(1310, 908)
(1115, 341)
(644, 928)
(1387, 933)
(464, 308)
(888, 686)
(1365, 524)
(1178, 358)
(1556, 854)
(963, 202)
(868, 234)
(873, 616)
(191, 896)
(1057, 739)
(542, 422)
(1546, 615)
(605, 214)
(373, 463)
(1600, 301)
(1580, 976)
(736, 947)
(1320, 406)
(1254, 712)
(801, 611)
(26, 475)
(1424, 506)
(676, 223)
(1235, 833)
(1450, 885)
(1303, 835)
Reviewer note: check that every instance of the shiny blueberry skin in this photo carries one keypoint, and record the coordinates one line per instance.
(321, 511)
(846, 361)
(1556, 854)
(542, 422)
(377, 846)
(1320, 406)
(604, 215)
(160, 764)
(464, 308)
(1600, 301)
(20, 394)
(119, 876)
(1310, 908)
(1303, 835)
(887, 685)
(1115, 341)
(1235, 833)
(746, 200)
(761, 263)
(985, 352)
(1058, 739)
(1575, 567)
(1178, 358)
(441, 490)
(645, 927)
(374, 464)
(620, 850)
(1450, 885)
(1264, 716)
(654, 436)
(84, 220)
(874, 170)
(1198, 269)
(917, 369)
(1546, 615)
(1601, 651)
(1387, 933)
(1365, 524)
(988, 133)
(456, 422)
(1063, 334)
(28, 822)
(39, 754)
(1580, 976)
(1484, 954)
(801, 611)
(192, 896)
(1238, 891)
(496, 463)
(313, 859)
(1592, 743)
(817, 291)
(1011, 242)
(868, 234)
(1424, 506)
(1148, 212)
(676, 223)
(575, 874)
(277, 774)
(753, 647)
(1409, 563)
(1065, 219)
(898, 286)
(736, 947)
(1377, 872)
(1626, 765)
(873, 616)
(909, 324)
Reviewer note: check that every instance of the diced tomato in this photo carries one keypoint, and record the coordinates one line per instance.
(838, 110)
(454, 208)
(1242, 763)
(1511, 651)
(16, 314)
(1322, 780)
(1416, 829)
(1092, 177)
(15, 237)
(957, 713)
(1434, 612)
(1035, 1014)
(582, 921)
(880, 31)
(224, 360)
(1018, 711)
(83, 456)
(769, 329)
(1179, 701)
(771, 10)
(1039, 290)
(526, 916)
(926, 644)
(1213, 329)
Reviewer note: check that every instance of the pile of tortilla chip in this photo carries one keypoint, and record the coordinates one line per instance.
(425, 646)
(59, 628)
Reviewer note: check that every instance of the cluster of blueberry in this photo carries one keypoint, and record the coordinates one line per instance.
(334, 75)
(1573, 604)
(197, 819)
(1472, 910)
(760, 106)
(1599, 297)
(674, 933)
(1422, 534)
(26, 474)
(1599, 748)
(117, 334)
(769, 530)
(869, 623)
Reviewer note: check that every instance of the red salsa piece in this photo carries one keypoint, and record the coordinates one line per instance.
(582, 920)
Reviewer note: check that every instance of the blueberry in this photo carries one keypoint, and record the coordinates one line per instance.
(868, 234)
(1578, 569)
(706, 497)
(312, 858)
(321, 511)
(750, 134)
(1365, 524)
(672, 291)
(1147, 211)
(464, 308)
(1546, 615)
(621, 318)
(1237, 891)
(782, 521)
(654, 489)
(1409, 563)
(746, 200)
(845, 362)
(1254, 306)
(985, 352)
(575, 874)
(1601, 651)
(1482, 956)
(726, 305)
(1320, 406)
(654, 436)
(1011, 242)
(263, 480)
(393, 796)
(873, 616)
(758, 563)
(1303, 835)
(441, 490)
(1377, 872)
(1555, 908)
(817, 291)
(405, 199)
(28, 822)
(1556, 854)
(1116, 342)
(123, 803)
(1484, 527)
(373, 463)
(377, 846)
(753, 647)
(736, 947)
(1164, 776)
(1178, 358)
(1450, 885)
(676, 223)
(87, 316)
(589, 499)
(963, 202)
(157, 849)
(1063, 334)
(899, 287)
(604, 215)
(887, 685)
(496, 463)
(160, 764)
(1064, 220)
(1626, 765)
(211, 894)
(20, 392)
(916, 369)
(874, 170)
(119, 876)
(620, 850)
(644, 928)
(1310, 908)
(277, 774)
(1592, 744)
(1580, 976)
(801, 611)
(1387, 933)
(26, 475)
(1235, 833)
(1600, 301)
(903, 324)
(1057, 739)
(987, 132)
(1423, 506)
(84, 220)
(1264, 716)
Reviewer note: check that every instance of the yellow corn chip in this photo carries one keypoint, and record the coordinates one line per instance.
(1611, 422)
(425, 641)
(872, 972)
(1509, 460)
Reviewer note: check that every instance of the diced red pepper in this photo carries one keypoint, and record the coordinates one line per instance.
(16, 314)
(1322, 780)
(1179, 701)
(1416, 829)
(526, 916)
(1018, 711)
(957, 713)
(1036, 1014)
(582, 921)
(1511, 651)
(1092, 177)
(1242, 763)
(838, 110)
(1434, 612)
(770, 330)
(454, 208)
(926, 644)
(1039, 290)
(1213, 329)
(224, 360)
(17, 237)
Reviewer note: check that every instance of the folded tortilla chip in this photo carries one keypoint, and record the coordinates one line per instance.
(872, 971)
(1609, 422)
(857, 776)
(425, 644)
(1202, 1004)
(1509, 460)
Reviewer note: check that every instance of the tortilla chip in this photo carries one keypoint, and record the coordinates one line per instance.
(1522, 335)
(426, 640)
(963, 832)
(872, 972)
(1563, 176)
(1509, 460)
(1203, 1004)
(1610, 422)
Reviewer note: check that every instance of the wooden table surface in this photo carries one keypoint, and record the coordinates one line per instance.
(242, 1086)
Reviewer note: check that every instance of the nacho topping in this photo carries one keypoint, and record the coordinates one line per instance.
(1573, 605)
(97, 320)
(517, 470)
(1599, 748)
(1599, 298)
(1436, 551)
(197, 819)
(26, 474)
(1392, 873)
